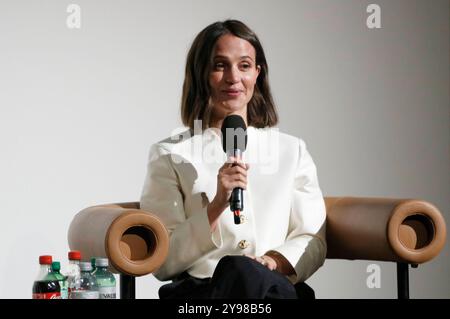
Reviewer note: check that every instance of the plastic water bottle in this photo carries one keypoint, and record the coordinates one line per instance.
(88, 286)
(105, 279)
(73, 271)
(56, 267)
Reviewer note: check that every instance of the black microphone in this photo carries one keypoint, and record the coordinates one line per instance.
(234, 143)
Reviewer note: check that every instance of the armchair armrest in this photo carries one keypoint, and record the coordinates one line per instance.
(135, 241)
(385, 229)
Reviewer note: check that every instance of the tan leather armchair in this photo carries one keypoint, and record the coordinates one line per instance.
(404, 231)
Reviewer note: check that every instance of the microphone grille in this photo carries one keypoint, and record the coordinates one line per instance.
(234, 133)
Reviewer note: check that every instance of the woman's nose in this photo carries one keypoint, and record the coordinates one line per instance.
(232, 75)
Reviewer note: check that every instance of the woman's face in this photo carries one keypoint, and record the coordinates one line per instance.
(233, 76)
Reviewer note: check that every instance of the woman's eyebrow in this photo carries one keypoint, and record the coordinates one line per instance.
(225, 57)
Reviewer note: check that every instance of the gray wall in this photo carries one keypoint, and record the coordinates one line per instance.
(79, 109)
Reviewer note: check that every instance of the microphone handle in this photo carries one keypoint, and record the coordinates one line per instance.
(237, 203)
(237, 196)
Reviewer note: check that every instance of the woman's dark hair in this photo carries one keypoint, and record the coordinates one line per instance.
(195, 104)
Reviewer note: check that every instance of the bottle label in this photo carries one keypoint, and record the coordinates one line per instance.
(107, 292)
(47, 295)
(84, 294)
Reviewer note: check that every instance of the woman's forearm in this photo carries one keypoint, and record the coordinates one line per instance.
(214, 212)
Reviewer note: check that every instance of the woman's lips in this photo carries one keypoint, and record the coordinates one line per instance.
(232, 93)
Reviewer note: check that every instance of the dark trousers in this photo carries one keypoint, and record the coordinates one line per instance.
(237, 277)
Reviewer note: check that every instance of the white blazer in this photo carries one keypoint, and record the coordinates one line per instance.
(284, 208)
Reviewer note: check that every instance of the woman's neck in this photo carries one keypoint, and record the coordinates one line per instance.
(217, 122)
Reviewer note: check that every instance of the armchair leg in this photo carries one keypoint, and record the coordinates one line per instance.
(127, 287)
(402, 281)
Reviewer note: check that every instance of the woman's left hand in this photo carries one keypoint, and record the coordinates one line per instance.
(265, 260)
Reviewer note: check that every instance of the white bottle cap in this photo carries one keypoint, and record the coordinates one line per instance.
(101, 262)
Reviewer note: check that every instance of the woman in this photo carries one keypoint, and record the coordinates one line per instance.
(281, 240)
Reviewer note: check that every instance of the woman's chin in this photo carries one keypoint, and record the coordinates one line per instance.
(232, 107)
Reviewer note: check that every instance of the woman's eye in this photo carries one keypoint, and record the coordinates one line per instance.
(221, 65)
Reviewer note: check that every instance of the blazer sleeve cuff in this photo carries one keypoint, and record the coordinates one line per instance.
(206, 240)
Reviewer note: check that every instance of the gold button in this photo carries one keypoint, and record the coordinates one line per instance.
(243, 244)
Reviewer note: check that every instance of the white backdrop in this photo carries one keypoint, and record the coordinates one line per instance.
(79, 109)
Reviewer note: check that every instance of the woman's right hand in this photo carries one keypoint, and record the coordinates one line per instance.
(231, 175)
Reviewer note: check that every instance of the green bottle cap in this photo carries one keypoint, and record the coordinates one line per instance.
(56, 266)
